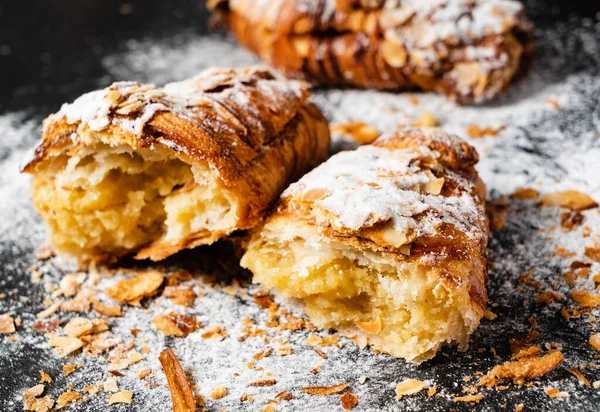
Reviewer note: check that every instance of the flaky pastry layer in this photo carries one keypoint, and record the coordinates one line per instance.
(140, 169)
(386, 244)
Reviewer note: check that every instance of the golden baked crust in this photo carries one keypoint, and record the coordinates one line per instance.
(386, 243)
(469, 51)
(141, 166)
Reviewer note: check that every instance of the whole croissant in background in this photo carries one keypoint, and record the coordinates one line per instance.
(468, 50)
(137, 168)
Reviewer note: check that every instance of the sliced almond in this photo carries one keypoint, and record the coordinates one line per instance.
(263, 382)
(393, 53)
(571, 199)
(434, 187)
(182, 395)
(133, 290)
(81, 326)
(468, 398)
(586, 299)
(7, 325)
(526, 368)
(174, 324)
(120, 397)
(595, 341)
(66, 398)
(325, 390)
(65, 345)
(409, 387)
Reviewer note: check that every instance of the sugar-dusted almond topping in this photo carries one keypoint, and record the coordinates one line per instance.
(570, 199)
(111, 385)
(524, 193)
(593, 253)
(111, 311)
(120, 397)
(360, 132)
(284, 396)
(219, 392)
(68, 369)
(580, 377)
(66, 398)
(585, 298)
(519, 371)
(174, 324)
(65, 345)
(325, 390)
(7, 325)
(133, 290)
(182, 395)
(372, 327)
(44, 377)
(81, 326)
(555, 393)
(215, 332)
(594, 341)
(263, 382)
(349, 401)
(180, 295)
(32, 402)
(468, 398)
(314, 340)
(409, 387)
(143, 373)
(34, 391)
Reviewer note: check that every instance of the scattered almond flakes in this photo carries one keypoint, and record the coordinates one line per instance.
(321, 353)
(31, 402)
(217, 332)
(111, 311)
(65, 345)
(182, 296)
(284, 396)
(409, 387)
(468, 398)
(269, 408)
(111, 385)
(362, 379)
(586, 299)
(120, 397)
(555, 393)
(7, 325)
(570, 199)
(314, 340)
(548, 297)
(182, 395)
(77, 327)
(477, 132)
(349, 401)
(49, 311)
(66, 398)
(219, 392)
(91, 389)
(133, 290)
(426, 119)
(524, 193)
(174, 324)
(263, 353)
(593, 253)
(68, 369)
(44, 377)
(432, 391)
(143, 373)
(34, 391)
(263, 382)
(324, 390)
(594, 341)
(284, 350)
(523, 369)
(360, 132)
(580, 377)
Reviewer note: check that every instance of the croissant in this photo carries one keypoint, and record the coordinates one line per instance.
(468, 50)
(135, 168)
(385, 243)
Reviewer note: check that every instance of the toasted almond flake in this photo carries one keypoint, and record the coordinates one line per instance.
(468, 398)
(143, 373)
(81, 326)
(263, 382)
(284, 350)
(269, 408)
(34, 391)
(7, 325)
(38, 404)
(321, 353)
(49, 311)
(432, 391)
(349, 401)
(360, 132)
(596, 385)
(594, 341)
(426, 119)
(580, 377)
(593, 253)
(182, 395)
(362, 379)
(219, 392)
(174, 324)
(314, 340)
(66, 398)
(524, 193)
(68, 369)
(284, 396)
(111, 385)
(555, 393)
(477, 132)
(523, 369)
(179, 295)
(409, 387)
(570, 199)
(586, 299)
(489, 315)
(371, 327)
(215, 332)
(133, 290)
(519, 407)
(325, 390)
(91, 389)
(44, 377)
(120, 397)
(65, 345)
(263, 353)
(111, 311)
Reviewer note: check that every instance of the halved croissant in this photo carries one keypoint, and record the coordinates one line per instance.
(138, 168)
(386, 244)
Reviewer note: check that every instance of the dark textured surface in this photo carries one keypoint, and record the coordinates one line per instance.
(54, 53)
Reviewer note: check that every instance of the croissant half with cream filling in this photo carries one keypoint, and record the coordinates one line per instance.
(136, 168)
(386, 244)
(468, 50)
